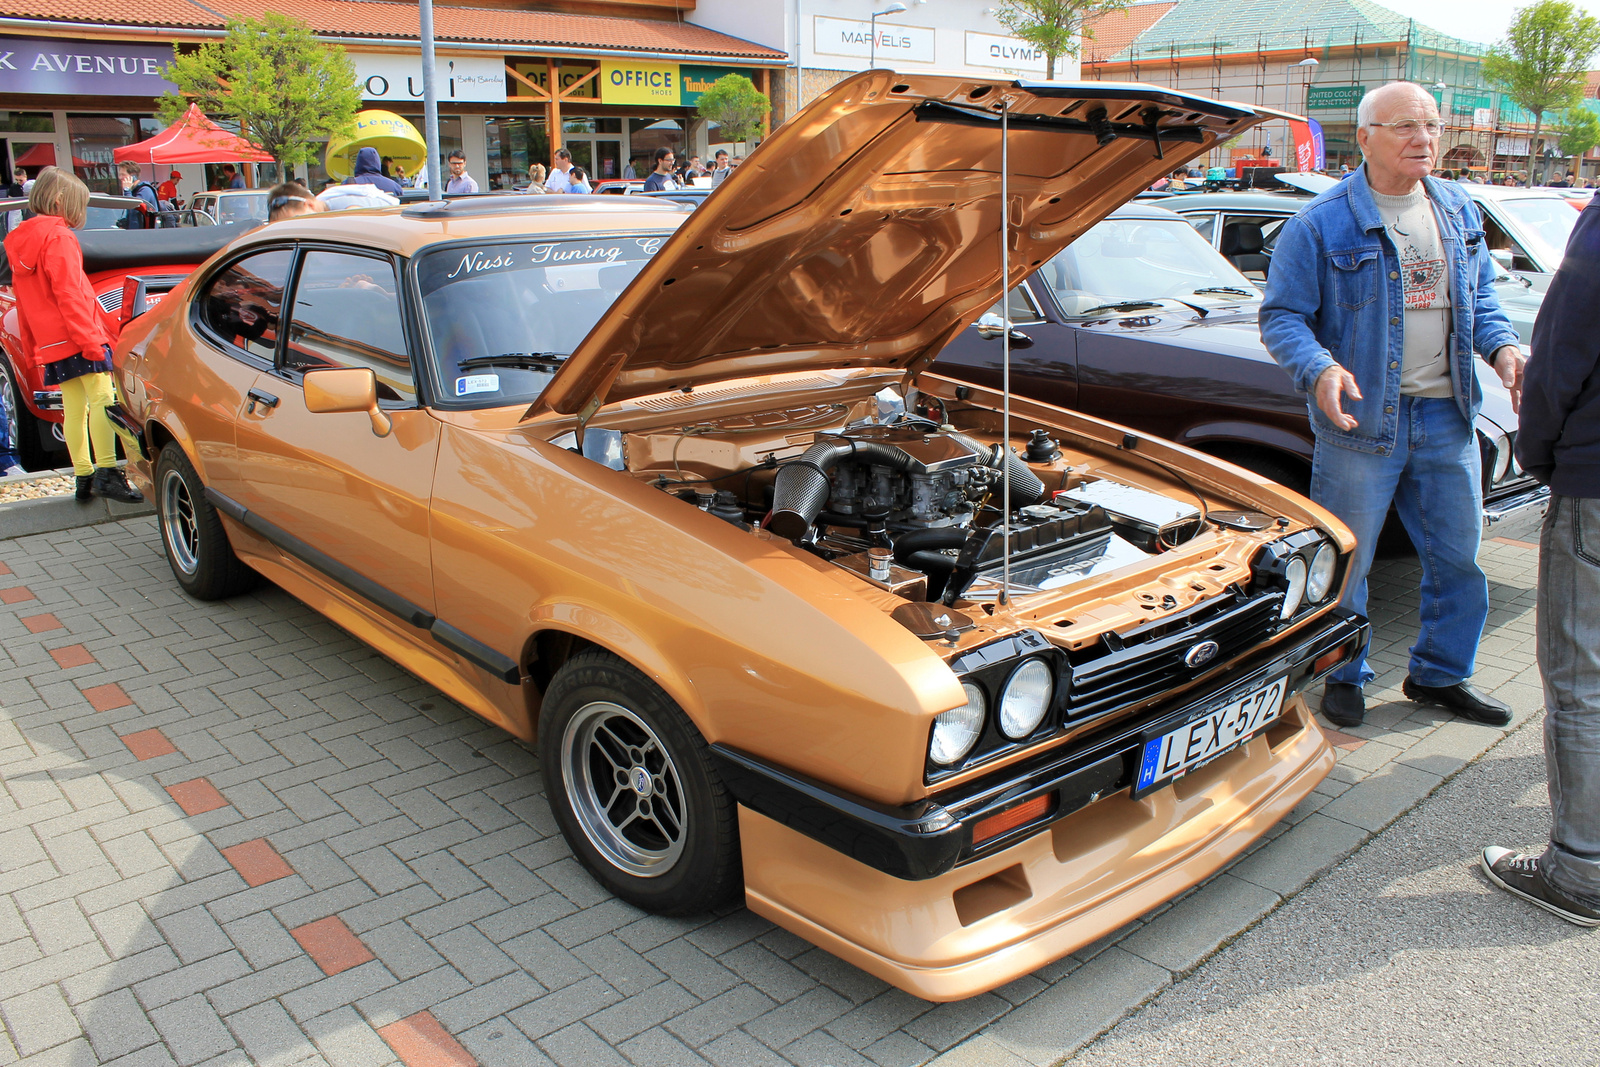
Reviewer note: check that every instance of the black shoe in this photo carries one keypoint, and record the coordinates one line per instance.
(85, 483)
(1518, 872)
(1343, 704)
(112, 484)
(1460, 699)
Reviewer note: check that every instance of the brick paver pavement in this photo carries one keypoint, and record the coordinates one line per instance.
(230, 833)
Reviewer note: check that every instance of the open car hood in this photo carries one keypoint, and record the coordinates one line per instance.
(865, 231)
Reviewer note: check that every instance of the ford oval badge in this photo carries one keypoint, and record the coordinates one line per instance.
(1201, 654)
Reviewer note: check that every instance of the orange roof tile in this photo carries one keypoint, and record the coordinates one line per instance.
(1115, 30)
(380, 18)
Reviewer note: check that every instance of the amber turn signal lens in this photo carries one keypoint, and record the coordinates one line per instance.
(1011, 818)
(1329, 660)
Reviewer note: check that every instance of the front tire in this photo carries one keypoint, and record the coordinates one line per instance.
(634, 790)
(197, 546)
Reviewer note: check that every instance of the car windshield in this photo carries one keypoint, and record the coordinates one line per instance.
(1542, 225)
(501, 317)
(1129, 260)
(242, 207)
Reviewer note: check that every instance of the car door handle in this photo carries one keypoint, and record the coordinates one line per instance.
(258, 396)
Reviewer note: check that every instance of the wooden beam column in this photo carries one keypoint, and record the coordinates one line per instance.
(553, 109)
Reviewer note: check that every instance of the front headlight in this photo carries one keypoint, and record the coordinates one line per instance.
(1320, 581)
(1295, 575)
(957, 730)
(1502, 459)
(1026, 699)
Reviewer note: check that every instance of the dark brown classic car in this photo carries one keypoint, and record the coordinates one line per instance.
(1142, 322)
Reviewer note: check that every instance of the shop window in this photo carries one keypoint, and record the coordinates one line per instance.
(95, 137)
(647, 135)
(513, 145)
(27, 122)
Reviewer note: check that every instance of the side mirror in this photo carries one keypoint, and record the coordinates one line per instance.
(991, 326)
(334, 390)
(1502, 256)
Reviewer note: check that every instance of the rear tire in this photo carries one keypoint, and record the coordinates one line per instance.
(197, 546)
(634, 790)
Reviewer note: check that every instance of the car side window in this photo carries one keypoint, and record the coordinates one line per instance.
(242, 303)
(346, 313)
(1204, 225)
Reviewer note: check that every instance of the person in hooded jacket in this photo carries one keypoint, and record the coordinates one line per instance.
(59, 321)
(369, 171)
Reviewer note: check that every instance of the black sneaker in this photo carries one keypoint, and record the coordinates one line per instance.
(112, 484)
(1460, 699)
(1343, 704)
(85, 484)
(1518, 872)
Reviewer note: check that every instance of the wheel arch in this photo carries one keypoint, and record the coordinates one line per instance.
(557, 640)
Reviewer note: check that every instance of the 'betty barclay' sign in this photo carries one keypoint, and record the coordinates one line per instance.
(399, 77)
(896, 43)
(1007, 54)
(83, 68)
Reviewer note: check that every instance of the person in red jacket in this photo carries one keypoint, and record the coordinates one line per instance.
(61, 329)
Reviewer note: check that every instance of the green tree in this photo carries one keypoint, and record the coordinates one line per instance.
(1054, 27)
(734, 103)
(1542, 61)
(283, 86)
(1580, 132)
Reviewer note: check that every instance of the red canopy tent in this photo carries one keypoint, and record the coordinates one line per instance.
(192, 139)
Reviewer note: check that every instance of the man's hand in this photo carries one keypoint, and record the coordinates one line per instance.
(1331, 384)
(1508, 364)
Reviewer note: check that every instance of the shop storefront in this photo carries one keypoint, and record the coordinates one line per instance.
(76, 96)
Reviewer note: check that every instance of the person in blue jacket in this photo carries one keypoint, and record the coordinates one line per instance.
(1380, 295)
(369, 171)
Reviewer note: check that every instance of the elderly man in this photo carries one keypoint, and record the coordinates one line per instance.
(1380, 292)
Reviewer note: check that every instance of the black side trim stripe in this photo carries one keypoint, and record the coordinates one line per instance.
(501, 666)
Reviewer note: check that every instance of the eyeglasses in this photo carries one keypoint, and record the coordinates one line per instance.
(1408, 129)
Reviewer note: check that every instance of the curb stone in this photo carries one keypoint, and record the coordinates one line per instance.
(23, 518)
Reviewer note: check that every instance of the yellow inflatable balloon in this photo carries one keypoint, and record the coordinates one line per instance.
(390, 134)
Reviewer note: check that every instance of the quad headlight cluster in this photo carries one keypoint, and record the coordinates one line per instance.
(1011, 687)
(1305, 566)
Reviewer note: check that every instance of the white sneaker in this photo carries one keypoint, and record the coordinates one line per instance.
(12, 472)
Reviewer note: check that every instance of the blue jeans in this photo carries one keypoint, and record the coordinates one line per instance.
(1569, 660)
(1433, 479)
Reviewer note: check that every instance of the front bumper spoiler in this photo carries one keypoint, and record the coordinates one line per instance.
(929, 838)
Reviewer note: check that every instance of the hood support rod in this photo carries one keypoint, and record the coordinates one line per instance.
(1005, 350)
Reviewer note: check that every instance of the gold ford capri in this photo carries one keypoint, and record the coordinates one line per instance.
(947, 684)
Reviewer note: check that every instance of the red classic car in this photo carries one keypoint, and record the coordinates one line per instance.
(129, 271)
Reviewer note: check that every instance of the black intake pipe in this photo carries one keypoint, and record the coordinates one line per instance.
(801, 488)
(1026, 488)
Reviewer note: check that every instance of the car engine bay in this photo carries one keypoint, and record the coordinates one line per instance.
(907, 501)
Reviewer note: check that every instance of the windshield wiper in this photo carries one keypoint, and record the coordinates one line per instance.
(1227, 289)
(534, 360)
(1140, 305)
(1126, 305)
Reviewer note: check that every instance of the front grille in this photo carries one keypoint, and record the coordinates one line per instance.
(1125, 668)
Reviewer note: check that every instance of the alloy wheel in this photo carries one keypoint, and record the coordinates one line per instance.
(624, 788)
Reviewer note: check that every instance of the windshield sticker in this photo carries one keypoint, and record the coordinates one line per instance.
(477, 383)
(445, 267)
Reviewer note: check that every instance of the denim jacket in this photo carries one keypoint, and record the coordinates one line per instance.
(1334, 295)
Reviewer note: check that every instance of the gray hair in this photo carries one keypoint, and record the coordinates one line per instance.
(1364, 108)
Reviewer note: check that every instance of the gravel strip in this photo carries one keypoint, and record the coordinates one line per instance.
(36, 488)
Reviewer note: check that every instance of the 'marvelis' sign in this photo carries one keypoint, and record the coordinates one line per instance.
(83, 68)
